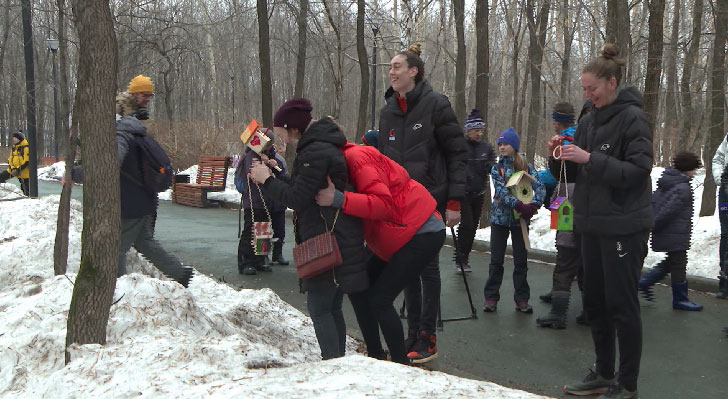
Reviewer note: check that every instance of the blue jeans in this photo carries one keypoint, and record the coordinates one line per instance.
(324, 307)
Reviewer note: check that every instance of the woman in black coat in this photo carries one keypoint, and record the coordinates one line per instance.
(318, 156)
(672, 203)
(612, 211)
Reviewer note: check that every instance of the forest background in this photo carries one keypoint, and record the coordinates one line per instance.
(217, 64)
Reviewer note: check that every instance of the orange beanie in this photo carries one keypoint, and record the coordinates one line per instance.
(140, 84)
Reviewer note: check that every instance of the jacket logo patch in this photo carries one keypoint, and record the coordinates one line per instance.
(306, 164)
(604, 147)
(417, 126)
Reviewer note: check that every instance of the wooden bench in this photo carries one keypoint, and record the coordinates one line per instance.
(211, 177)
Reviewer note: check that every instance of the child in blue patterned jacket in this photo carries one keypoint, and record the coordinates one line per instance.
(504, 223)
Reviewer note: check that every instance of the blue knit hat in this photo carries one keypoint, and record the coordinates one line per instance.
(474, 120)
(509, 136)
(370, 138)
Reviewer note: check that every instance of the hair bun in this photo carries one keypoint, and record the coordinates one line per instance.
(610, 51)
(415, 48)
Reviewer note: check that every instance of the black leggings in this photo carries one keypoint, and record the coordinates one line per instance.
(387, 280)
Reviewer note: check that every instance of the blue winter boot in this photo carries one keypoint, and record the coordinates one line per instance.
(680, 298)
(649, 279)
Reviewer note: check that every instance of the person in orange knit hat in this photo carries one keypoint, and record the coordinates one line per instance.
(136, 98)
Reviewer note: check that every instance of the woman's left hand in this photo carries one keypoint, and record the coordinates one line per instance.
(325, 196)
(573, 153)
(452, 218)
(259, 172)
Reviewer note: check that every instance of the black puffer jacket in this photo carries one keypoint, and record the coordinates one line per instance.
(317, 156)
(481, 159)
(672, 203)
(613, 190)
(427, 140)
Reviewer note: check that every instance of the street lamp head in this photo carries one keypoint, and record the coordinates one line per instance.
(52, 44)
(376, 21)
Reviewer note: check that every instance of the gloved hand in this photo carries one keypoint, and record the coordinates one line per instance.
(14, 172)
(526, 210)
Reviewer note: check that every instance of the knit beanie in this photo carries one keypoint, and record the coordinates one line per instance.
(474, 120)
(19, 136)
(370, 138)
(140, 84)
(685, 161)
(293, 114)
(509, 136)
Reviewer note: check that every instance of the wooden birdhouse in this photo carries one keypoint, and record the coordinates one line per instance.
(254, 138)
(519, 184)
(562, 214)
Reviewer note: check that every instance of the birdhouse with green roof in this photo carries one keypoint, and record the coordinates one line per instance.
(562, 214)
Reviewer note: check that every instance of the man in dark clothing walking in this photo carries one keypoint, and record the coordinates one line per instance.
(481, 158)
(139, 205)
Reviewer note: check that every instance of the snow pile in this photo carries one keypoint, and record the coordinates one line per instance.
(164, 341)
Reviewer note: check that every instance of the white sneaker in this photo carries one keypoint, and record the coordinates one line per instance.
(466, 268)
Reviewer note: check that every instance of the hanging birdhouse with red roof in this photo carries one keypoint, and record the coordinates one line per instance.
(562, 214)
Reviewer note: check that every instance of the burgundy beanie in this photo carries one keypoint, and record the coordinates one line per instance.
(293, 114)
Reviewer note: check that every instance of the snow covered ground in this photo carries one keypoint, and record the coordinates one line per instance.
(164, 341)
(702, 257)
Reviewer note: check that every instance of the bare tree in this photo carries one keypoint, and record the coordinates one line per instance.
(537, 40)
(654, 70)
(482, 83)
(672, 111)
(717, 100)
(93, 289)
(301, 53)
(688, 119)
(461, 68)
(618, 29)
(266, 85)
(363, 68)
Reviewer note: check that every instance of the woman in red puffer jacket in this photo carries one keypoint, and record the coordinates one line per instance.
(401, 228)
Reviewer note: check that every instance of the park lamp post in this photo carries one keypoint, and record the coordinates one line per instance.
(376, 22)
(53, 47)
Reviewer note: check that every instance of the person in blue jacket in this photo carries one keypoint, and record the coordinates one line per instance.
(504, 223)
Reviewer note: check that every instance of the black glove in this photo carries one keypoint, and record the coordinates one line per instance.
(15, 172)
(142, 114)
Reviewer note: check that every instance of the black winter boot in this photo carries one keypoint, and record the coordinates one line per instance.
(278, 253)
(722, 286)
(186, 276)
(648, 280)
(546, 297)
(559, 306)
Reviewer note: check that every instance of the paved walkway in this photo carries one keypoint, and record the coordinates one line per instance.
(685, 355)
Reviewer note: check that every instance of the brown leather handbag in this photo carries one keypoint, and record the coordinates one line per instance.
(317, 254)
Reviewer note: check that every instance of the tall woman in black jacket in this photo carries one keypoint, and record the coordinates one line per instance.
(418, 130)
(612, 211)
(318, 156)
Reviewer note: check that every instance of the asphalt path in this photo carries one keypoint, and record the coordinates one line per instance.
(685, 354)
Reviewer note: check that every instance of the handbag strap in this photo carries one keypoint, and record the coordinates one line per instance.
(332, 224)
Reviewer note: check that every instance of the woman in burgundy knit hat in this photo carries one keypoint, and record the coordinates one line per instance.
(318, 156)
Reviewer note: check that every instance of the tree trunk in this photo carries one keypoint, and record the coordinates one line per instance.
(93, 289)
(361, 120)
(672, 111)
(654, 71)
(266, 85)
(688, 119)
(568, 35)
(618, 29)
(301, 56)
(537, 40)
(717, 99)
(63, 90)
(30, 97)
(461, 68)
(482, 83)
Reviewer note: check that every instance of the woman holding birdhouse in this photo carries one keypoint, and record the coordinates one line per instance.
(510, 212)
(318, 156)
(613, 214)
